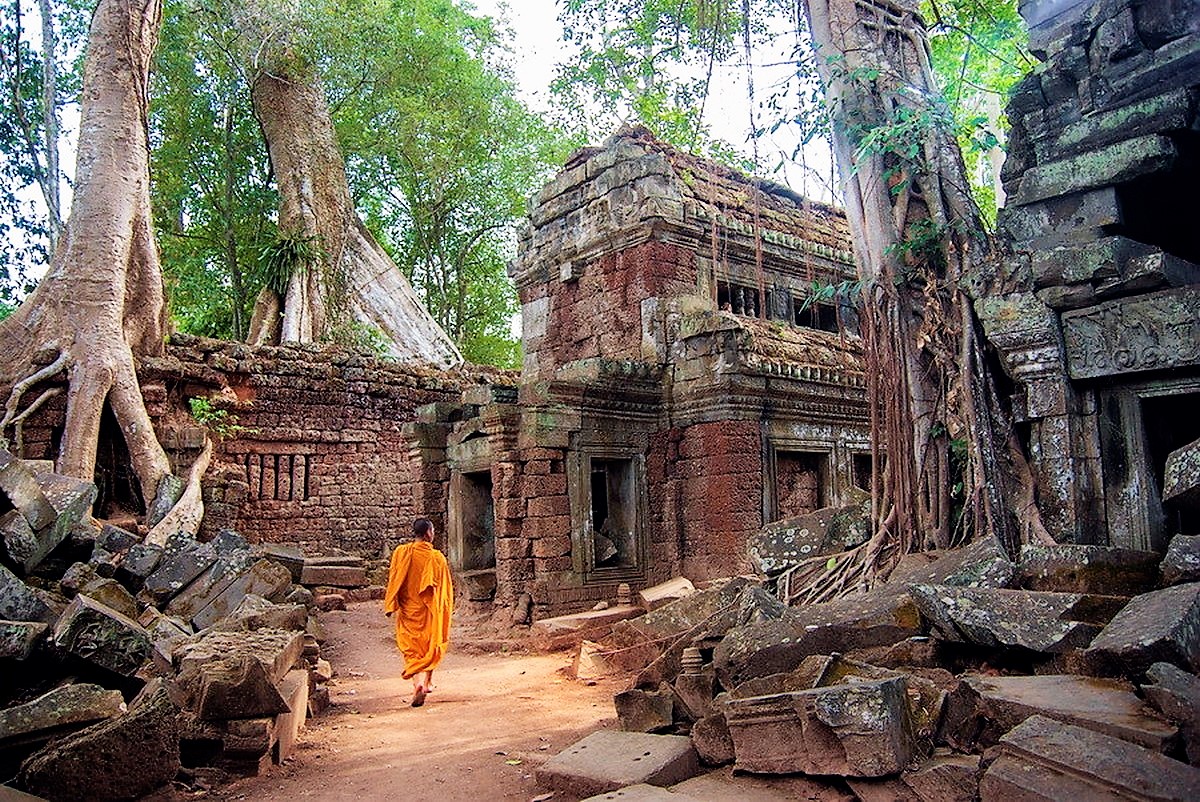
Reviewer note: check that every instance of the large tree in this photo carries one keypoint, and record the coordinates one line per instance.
(101, 305)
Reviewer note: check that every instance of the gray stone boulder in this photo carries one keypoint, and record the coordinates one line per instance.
(780, 545)
(255, 612)
(1104, 570)
(1176, 694)
(995, 617)
(1047, 759)
(646, 711)
(232, 558)
(1182, 562)
(18, 639)
(19, 602)
(1163, 626)
(102, 636)
(139, 562)
(125, 757)
(62, 710)
(861, 729)
(183, 559)
(981, 709)
(1181, 476)
(113, 594)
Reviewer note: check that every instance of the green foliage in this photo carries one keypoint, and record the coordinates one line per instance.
(221, 422)
(287, 256)
(847, 291)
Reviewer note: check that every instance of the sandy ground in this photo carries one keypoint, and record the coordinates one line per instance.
(492, 719)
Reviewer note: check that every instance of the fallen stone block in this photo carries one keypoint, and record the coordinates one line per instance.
(336, 576)
(1041, 622)
(265, 578)
(104, 562)
(125, 757)
(1047, 759)
(1100, 570)
(62, 710)
(1176, 694)
(694, 687)
(641, 793)
(19, 638)
(862, 730)
(233, 558)
(926, 698)
(979, 564)
(1181, 476)
(234, 687)
(318, 700)
(101, 635)
(1163, 626)
(183, 559)
(664, 593)
(294, 690)
(255, 612)
(112, 594)
(1182, 562)
(946, 777)
(71, 500)
(277, 650)
(20, 485)
(10, 794)
(139, 563)
(286, 554)
(726, 785)
(589, 662)
(782, 544)
(19, 602)
(564, 631)
(116, 540)
(320, 673)
(711, 738)
(607, 760)
(645, 711)
(981, 709)
(328, 602)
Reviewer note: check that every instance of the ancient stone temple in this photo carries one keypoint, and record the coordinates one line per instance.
(1102, 338)
(683, 383)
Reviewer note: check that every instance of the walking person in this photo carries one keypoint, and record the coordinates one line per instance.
(420, 595)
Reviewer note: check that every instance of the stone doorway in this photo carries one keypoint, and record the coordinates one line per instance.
(473, 532)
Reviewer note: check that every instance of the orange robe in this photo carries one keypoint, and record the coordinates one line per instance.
(421, 597)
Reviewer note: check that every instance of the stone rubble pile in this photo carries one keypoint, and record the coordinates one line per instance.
(1068, 674)
(129, 665)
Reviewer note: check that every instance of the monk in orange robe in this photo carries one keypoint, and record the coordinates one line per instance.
(420, 594)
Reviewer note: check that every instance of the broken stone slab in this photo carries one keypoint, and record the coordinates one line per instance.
(71, 500)
(19, 602)
(242, 746)
(642, 792)
(139, 563)
(21, 486)
(265, 578)
(104, 562)
(1181, 477)
(1047, 759)
(234, 687)
(979, 564)
(780, 545)
(255, 612)
(113, 594)
(294, 690)
(64, 709)
(1041, 622)
(726, 785)
(607, 760)
(563, 631)
(101, 635)
(925, 697)
(710, 737)
(861, 730)
(289, 555)
(1162, 626)
(1101, 570)
(666, 592)
(19, 638)
(125, 757)
(277, 650)
(336, 576)
(183, 559)
(233, 557)
(946, 777)
(1176, 694)
(589, 662)
(116, 540)
(1182, 562)
(10, 794)
(645, 711)
(17, 537)
(75, 578)
(981, 709)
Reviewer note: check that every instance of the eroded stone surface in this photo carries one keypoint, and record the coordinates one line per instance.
(645, 711)
(18, 638)
(61, 710)
(1104, 570)
(1182, 562)
(782, 544)
(1176, 694)
(277, 650)
(607, 760)
(1163, 626)
(101, 635)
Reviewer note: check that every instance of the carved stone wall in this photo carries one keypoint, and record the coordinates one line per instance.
(1103, 163)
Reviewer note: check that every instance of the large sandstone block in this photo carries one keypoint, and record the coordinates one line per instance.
(1103, 570)
(294, 690)
(338, 576)
(265, 578)
(139, 563)
(1041, 622)
(607, 760)
(122, 758)
(62, 710)
(782, 544)
(981, 709)
(101, 635)
(1163, 626)
(233, 558)
(1182, 562)
(233, 687)
(255, 612)
(666, 592)
(19, 638)
(19, 484)
(1181, 477)
(1176, 694)
(861, 729)
(183, 559)
(1050, 760)
(645, 711)
(277, 650)
(19, 602)
(566, 630)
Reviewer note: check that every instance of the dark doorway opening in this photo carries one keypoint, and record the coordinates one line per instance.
(613, 514)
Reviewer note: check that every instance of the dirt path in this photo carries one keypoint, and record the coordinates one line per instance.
(492, 719)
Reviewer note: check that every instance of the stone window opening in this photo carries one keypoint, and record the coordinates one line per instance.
(800, 479)
(860, 470)
(823, 317)
(278, 477)
(477, 514)
(738, 298)
(607, 489)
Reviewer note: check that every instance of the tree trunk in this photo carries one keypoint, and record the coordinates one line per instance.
(919, 242)
(101, 304)
(50, 124)
(355, 278)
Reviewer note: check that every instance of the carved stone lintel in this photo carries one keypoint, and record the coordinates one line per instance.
(1148, 332)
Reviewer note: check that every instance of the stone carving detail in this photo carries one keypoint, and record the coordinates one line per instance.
(1149, 332)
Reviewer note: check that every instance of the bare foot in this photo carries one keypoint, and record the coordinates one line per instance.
(419, 696)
